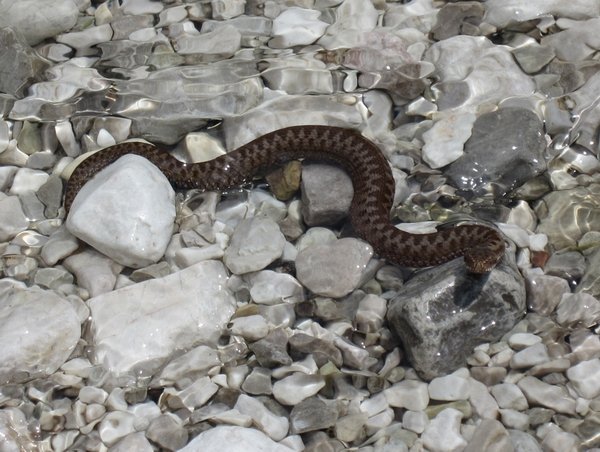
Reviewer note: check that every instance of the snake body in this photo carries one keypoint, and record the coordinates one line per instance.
(482, 247)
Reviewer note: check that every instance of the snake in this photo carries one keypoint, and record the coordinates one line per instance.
(481, 246)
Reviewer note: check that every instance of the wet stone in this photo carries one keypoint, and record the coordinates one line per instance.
(533, 57)
(312, 414)
(455, 313)
(506, 148)
(569, 265)
(322, 351)
(457, 18)
(258, 382)
(168, 432)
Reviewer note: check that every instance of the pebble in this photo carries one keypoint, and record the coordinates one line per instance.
(148, 209)
(443, 432)
(274, 426)
(312, 414)
(585, 378)
(255, 243)
(448, 388)
(509, 396)
(551, 396)
(326, 195)
(296, 26)
(14, 218)
(410, 394)
(334, 269)
(234, 439)
(297, 387)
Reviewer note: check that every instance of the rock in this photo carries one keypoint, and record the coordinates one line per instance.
(457, 19)
(334, 269)
(192, 305)
(578, 309)
(493, 155)
(255, 243)
(585, 378)
(37, 20)
(410, 394)
(135, 229)
(274, 426)
(490, 435)
(13, 218)
(50, 339)
(271, 350)
(444, 142)
(297, 26)
(326, 195)
(552, 396)
(95, 272)
(88, 37)
(454, 313)
(269, 287)
(135, 441)
(21, 65)
(312, 414)
(449, 388)
(544, 292)
(443, 432)
(168, 432)
(234, 439)
(297, 387)
(510, 396)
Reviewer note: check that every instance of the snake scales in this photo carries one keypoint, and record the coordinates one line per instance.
(481, 246)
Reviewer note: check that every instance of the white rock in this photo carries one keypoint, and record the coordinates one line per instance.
(142, 324)
(116, 425)
(510, 396)
(88, 37)
(187, 39)
(255, 243)
(449, 388)
(559, 441)
(444, 142)
(251, 328)
(484, 405)
(443, 432)
(60, 245)
(27, 180)
(551, 396)
(514, 419)
(95, 272)
(134, 441)
(519, 341)
(297, 387)
(126, 212)
(227, 9)
(13, 219)
(14, 431)
(333, 270)
(184, 369)
(585, 378)
(580, 309)
(38, 331)
(415, 421)
(269, 287)
(234, 439)
(502, 12)
(352, 18)
(410, 394)
(297, 26)
(139, 7)
(275, 426)
(530, 356)
(193, 396)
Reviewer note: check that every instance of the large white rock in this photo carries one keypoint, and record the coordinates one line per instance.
(139, 326)
(126, 212)
(297, 26)
(234, 439)
(38, 331)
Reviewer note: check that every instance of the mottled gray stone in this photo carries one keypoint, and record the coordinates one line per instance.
(312, 414)
(20, 64)
(50, 194)
(590, 281)
(258, 382)
(457, 18)
(442, 313)
(490, 436)
(326, 194)
(533, 57)
(569, 265)
(524, 442)
(321, 350)
(271, 351)
(505, 149)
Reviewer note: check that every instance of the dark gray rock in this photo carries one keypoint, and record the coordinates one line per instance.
(458, 18)
(533, 57)
(326, 195)
(321, 350)
(442, 313)
(271, 350)
(312, 414)
(505, 149)
(21, 65)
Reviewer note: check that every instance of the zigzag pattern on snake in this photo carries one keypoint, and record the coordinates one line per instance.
(481, 246)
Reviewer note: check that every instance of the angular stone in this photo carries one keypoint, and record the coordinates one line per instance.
(443, 313)
(312, 414)
(326, 195)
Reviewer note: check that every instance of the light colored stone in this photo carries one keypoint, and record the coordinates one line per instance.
(297, 26)
(297, 387)
(255, 243)
(551, 396)
(409, 394)
(126, 212)
(443, 432)
(585, 378)
(13, 218)
(274, 426)
(449, 388)
(234, 439)
(509, 395)
(530, 356)
(139, 326)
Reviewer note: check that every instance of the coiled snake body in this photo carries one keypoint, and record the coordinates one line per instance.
(481, 246)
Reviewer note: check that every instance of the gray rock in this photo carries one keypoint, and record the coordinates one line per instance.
(490, 436)
(258, 382)
(569, 265)
(458, 18)
(312, 414)
(442, 313)
(271, 351)
(326, 194)
(321, 350)
(533, 57)
(505, 149)
(21, 65)
(524, 442)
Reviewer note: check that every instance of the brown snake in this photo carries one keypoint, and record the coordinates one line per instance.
(481, 246)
